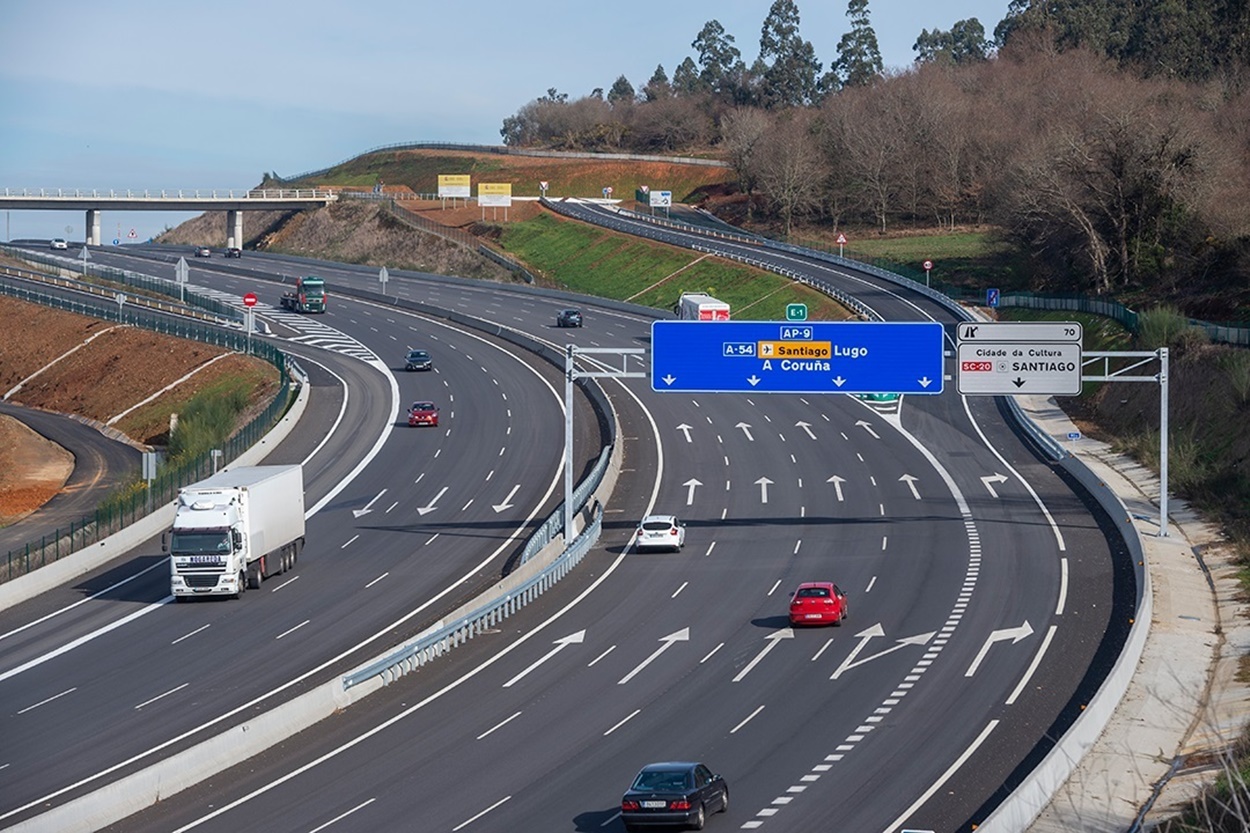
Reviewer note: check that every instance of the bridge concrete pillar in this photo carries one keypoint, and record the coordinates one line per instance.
(234, 229)
(93, 227)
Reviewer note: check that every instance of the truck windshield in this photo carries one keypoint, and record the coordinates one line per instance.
(200, 543)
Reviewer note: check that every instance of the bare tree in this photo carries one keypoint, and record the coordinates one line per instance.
(742, 130)
(790, 168)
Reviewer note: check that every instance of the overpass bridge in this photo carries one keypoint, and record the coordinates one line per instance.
(234, 203)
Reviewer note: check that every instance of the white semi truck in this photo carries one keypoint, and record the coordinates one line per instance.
(235, 529)
(695, 306)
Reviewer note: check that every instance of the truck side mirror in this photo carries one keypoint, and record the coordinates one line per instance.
(237, 537)
(164, 542)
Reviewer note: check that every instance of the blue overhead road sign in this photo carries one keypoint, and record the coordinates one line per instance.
(783, 357)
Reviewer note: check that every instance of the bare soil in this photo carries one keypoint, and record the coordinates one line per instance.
(105, 376)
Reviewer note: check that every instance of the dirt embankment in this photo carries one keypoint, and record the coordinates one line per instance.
(74, 364)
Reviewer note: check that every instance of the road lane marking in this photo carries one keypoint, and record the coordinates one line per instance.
(159, 696)
(376, 580)
(191, 634)
(498, 725)
(284, 584)
(49, 700)
(293, 630)
(472, 819)
(631, 716)
(747, 719)
(342, 816)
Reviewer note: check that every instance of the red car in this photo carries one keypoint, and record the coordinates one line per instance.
(817, 603)
(423, 413)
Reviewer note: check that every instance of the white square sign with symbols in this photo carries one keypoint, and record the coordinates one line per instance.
(1019, 357)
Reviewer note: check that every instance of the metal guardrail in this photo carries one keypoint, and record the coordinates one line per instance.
(433, 645)
(124, 509)
(551, 527)
(174, 194)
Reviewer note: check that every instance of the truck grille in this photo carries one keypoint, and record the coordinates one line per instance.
(200, 581)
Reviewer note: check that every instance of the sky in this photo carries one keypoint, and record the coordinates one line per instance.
(147, 95)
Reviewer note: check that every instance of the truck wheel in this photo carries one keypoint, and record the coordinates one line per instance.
(253, 577)
(242, 585)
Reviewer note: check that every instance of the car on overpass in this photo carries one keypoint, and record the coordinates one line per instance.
(234, 251)
(58, 243)
(203, 251)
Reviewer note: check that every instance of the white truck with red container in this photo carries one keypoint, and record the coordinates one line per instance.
(235, 529)
(695, 306)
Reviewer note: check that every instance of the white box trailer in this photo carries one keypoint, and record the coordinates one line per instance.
(695, 306)
(235, 529)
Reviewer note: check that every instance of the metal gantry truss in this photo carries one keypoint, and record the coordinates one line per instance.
(571, 375)
(1138, 359)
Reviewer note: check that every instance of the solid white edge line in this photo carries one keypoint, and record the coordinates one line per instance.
(927, 794)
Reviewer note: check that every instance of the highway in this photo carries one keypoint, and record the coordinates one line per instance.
(985, 597)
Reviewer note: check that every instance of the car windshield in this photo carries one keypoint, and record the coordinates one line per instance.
(666, 780)
(656, 526)
(422, 406)
(813, 593)
(418, 354)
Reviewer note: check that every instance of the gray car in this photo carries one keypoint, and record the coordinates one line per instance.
(418, 360)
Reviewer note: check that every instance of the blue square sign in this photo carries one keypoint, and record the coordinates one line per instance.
(811, 357)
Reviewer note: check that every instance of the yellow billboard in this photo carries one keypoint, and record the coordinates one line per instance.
(497, 194)
(453, 186)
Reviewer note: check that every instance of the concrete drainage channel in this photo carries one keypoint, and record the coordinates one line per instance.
(161, 780)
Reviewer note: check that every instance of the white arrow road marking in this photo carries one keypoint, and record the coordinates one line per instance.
(682, 635)
(773, 638)
(746, 429)
(685, 429)
(359, 512)
(866, 636)
(561, 644)
(507, 502)
(690, 484)
(910, 480)
(837, 485)
(1014, 634)
(993, 478)
(806, 426)
(429, 507)
(867, 426)
(763, 483)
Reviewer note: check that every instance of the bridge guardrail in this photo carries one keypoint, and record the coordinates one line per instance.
(175, 194)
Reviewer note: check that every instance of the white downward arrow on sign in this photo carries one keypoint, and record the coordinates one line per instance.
(753, 379)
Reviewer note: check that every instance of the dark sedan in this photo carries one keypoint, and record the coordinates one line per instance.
(234, 251)
(569, 318)
(673, 793)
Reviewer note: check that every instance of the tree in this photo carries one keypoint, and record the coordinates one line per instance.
(658, 86)
(686, 78)
(790, 169)
(790, 79)
(859, 58)
(742, 129)
(964, 43)
(718, 57)
(622, 92)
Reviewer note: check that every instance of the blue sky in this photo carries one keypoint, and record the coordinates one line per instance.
(139, 94)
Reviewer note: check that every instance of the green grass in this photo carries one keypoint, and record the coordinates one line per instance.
(598, 262)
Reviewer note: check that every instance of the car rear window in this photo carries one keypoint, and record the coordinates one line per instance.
(813, 593)
(656, 526)
(662, 779)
